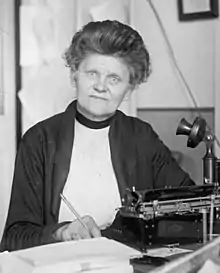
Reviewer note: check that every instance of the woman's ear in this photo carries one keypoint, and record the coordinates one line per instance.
(127, 96)
(73, 78)
(129, 92)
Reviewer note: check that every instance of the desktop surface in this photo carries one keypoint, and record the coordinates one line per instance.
(141, 267)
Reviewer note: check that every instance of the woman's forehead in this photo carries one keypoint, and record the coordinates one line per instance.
(104, 63)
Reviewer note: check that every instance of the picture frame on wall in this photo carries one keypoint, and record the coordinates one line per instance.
(197, 9)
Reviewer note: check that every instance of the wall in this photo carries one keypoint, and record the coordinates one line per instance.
(193, 47)
(46, 29)
(164, 99)
(7, 115)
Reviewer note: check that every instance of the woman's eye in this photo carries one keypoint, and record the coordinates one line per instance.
(114, 80)
(91, 73)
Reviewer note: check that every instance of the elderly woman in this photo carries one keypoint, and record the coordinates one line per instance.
(92, 152)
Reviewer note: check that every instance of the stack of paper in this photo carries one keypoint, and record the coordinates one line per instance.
(93, 255)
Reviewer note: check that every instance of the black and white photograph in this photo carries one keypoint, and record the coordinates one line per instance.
(109, 136)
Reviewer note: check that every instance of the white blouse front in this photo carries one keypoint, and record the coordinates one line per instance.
(91, 186)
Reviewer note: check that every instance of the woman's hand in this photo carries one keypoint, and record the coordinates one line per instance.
(76, 231)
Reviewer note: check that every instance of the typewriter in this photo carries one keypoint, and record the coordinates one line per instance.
(180, 215)
(167, 216)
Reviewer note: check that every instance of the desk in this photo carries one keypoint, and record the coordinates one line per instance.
(141, 268)
(112, 233)
(187, 262)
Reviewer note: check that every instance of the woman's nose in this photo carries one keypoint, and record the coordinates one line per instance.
(100, 84)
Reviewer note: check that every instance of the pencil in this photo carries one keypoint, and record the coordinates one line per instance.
(70, 206)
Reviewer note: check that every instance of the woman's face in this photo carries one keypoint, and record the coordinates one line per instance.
(102, 82)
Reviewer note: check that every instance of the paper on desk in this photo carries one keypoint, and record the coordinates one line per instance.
(165, 251)
(87, 249)
(11, 264)
(46, 91)
(75, 256)
(37, 37)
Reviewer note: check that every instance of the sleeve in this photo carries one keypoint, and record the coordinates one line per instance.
(25, 221)
(166, 171)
